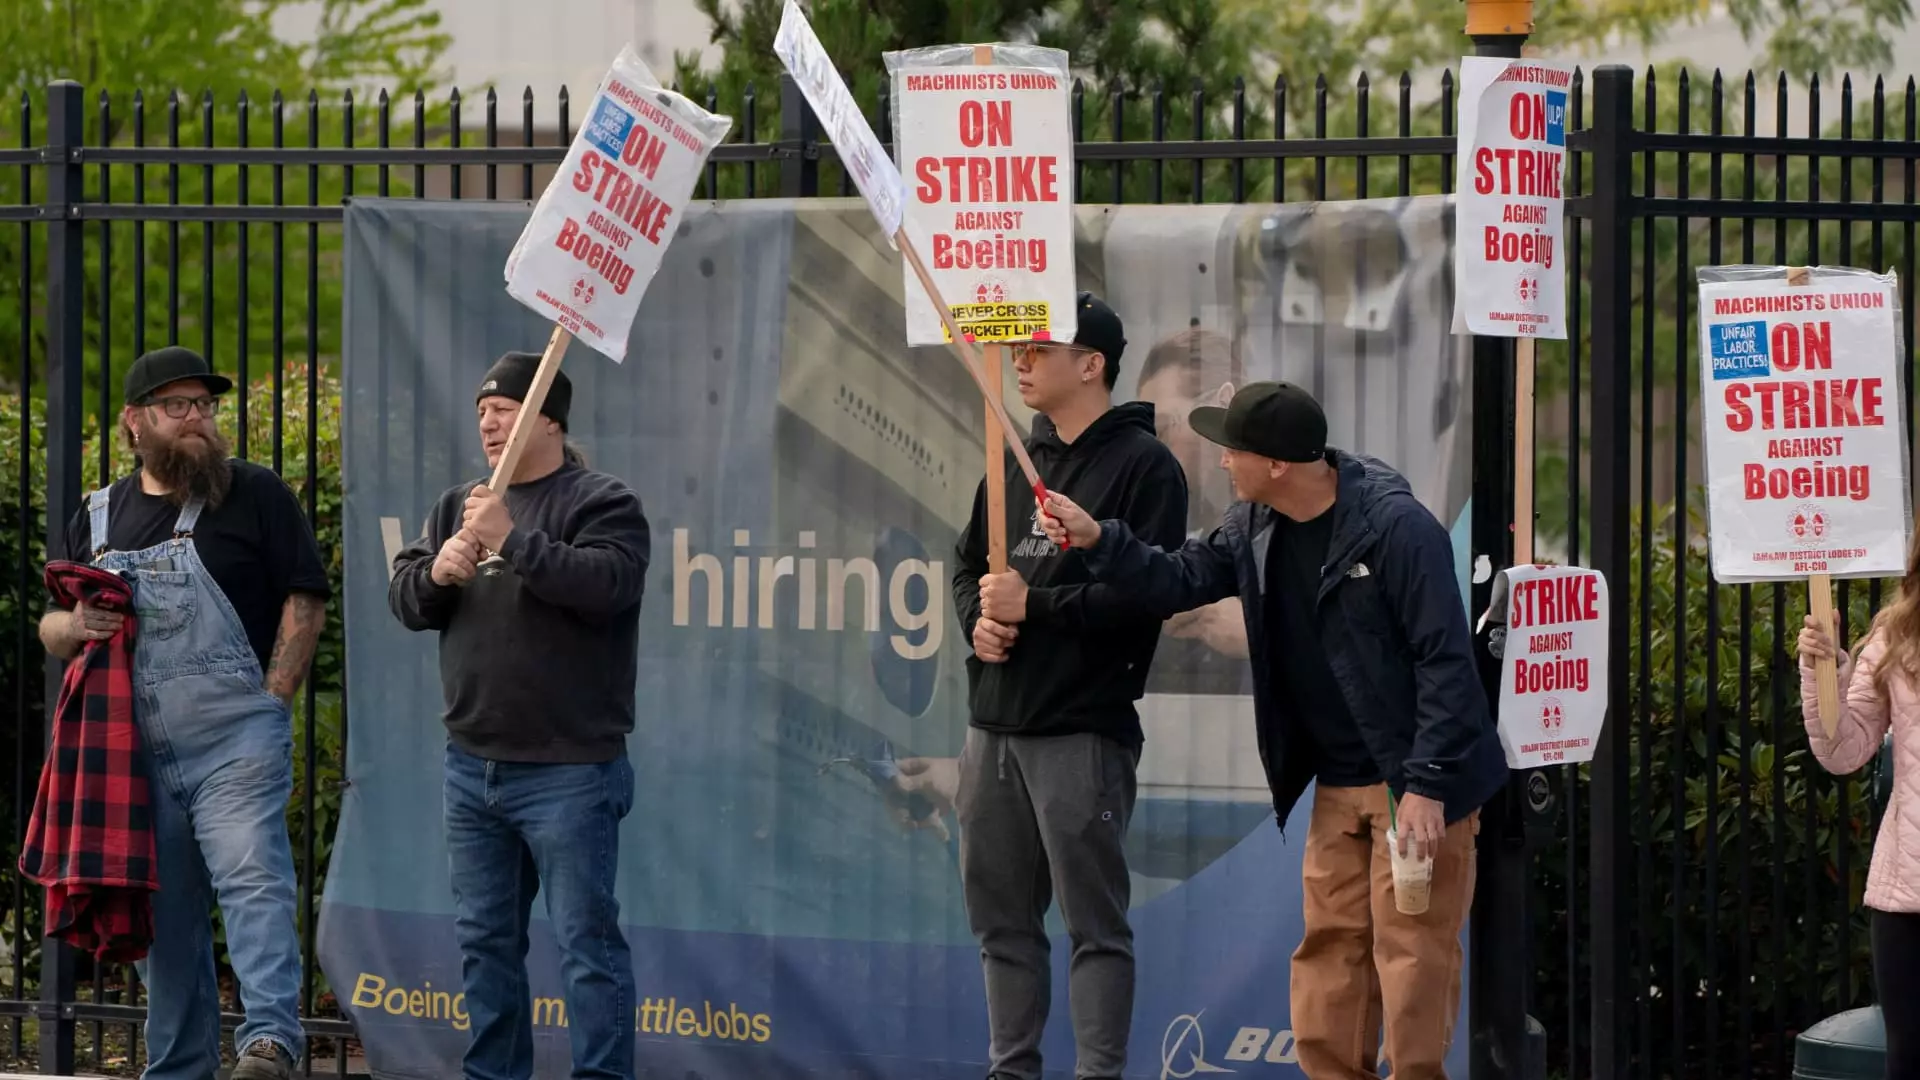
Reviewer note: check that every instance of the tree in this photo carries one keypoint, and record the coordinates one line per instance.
(193, 70)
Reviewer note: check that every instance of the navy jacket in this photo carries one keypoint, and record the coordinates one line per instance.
(1391, 621)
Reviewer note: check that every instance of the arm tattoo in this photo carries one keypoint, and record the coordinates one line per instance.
(300, 624)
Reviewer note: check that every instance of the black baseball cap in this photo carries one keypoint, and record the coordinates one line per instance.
(512, 376)
(169, 365)
(1099, 329)
(1276, 420)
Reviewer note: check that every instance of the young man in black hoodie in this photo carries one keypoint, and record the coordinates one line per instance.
(539, 651)
(1047, 775)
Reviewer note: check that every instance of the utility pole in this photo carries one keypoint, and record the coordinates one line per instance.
(1506, 1043)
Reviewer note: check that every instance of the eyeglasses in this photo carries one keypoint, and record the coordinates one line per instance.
(1033, 350)
(177, 407)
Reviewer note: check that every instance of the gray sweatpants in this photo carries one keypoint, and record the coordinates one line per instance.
(1045, 816)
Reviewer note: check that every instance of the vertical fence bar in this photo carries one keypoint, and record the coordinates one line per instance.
(1199, 99)
(1611, 854)
(242, 315)
(18, 901)
(1239, 134)
(1710, 887)
(799, 130)
(1570, 775)
(1079, 121)
(454, 168)
(206, 234)
(311, 486)
(526, 140)
(1280, 134)
(1678, 734)
(104, 137)
(493, 140)
(1159, 114)
(139, 229)
(280, 286)
(173, 225)
(1643, 955)
(66, 387)
(1811, 943)
(383, 138)
(1743, 866)
(1843, 809)
(1777, 683)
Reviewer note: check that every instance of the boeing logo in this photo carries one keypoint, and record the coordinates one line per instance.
(1183, 1049)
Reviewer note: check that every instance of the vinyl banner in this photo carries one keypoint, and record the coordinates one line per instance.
(806, 477)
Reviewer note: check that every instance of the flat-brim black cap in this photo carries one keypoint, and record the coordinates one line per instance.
(170, 365)
(1273, 419)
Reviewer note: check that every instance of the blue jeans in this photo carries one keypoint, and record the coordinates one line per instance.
(515, 829)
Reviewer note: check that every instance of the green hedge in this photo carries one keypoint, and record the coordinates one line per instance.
(1691, 824)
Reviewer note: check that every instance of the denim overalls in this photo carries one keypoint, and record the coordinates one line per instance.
(220, 757)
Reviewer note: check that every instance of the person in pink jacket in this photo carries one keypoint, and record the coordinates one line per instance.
(1880, 691)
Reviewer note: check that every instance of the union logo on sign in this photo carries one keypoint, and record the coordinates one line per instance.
(1552, 717)
(582, 292)
(990, 291)
(1808, 522)
(1527, 288)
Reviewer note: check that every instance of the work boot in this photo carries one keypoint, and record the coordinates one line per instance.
(264, 1059)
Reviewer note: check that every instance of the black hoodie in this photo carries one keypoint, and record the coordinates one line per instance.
(1081, 658)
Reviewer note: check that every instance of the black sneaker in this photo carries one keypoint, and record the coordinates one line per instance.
(264, 1060)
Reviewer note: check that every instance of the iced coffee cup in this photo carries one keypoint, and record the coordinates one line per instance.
(1412, 876)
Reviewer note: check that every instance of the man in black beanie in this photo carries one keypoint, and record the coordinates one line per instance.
(538, 659)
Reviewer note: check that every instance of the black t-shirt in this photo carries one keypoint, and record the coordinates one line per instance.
(256, 544)
(1294, 561)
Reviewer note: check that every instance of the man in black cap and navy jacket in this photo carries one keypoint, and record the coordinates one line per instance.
(1364, 686)
(1046, 779)
(539, 646)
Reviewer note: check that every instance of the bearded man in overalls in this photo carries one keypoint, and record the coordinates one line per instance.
(230, 597)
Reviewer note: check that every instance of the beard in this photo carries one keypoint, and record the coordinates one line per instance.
(191, 466)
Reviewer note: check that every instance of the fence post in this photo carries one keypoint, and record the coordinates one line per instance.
(799, 143)
(1610, 855)
(66, 124)
(1504, 1043)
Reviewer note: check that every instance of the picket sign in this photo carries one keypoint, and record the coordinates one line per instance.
(1510, 215)
(980, 128)
(1804, 436)
(878, 179)
(601, 228)
(1553, 667)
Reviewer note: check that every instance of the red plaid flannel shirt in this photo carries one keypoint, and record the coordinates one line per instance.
(90, 840)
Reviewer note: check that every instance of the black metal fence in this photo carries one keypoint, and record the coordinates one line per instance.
(1696, 903)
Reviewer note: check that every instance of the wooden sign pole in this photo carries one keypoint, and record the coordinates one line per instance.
(1523, 349)
(1826, 673)
(995, 357)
